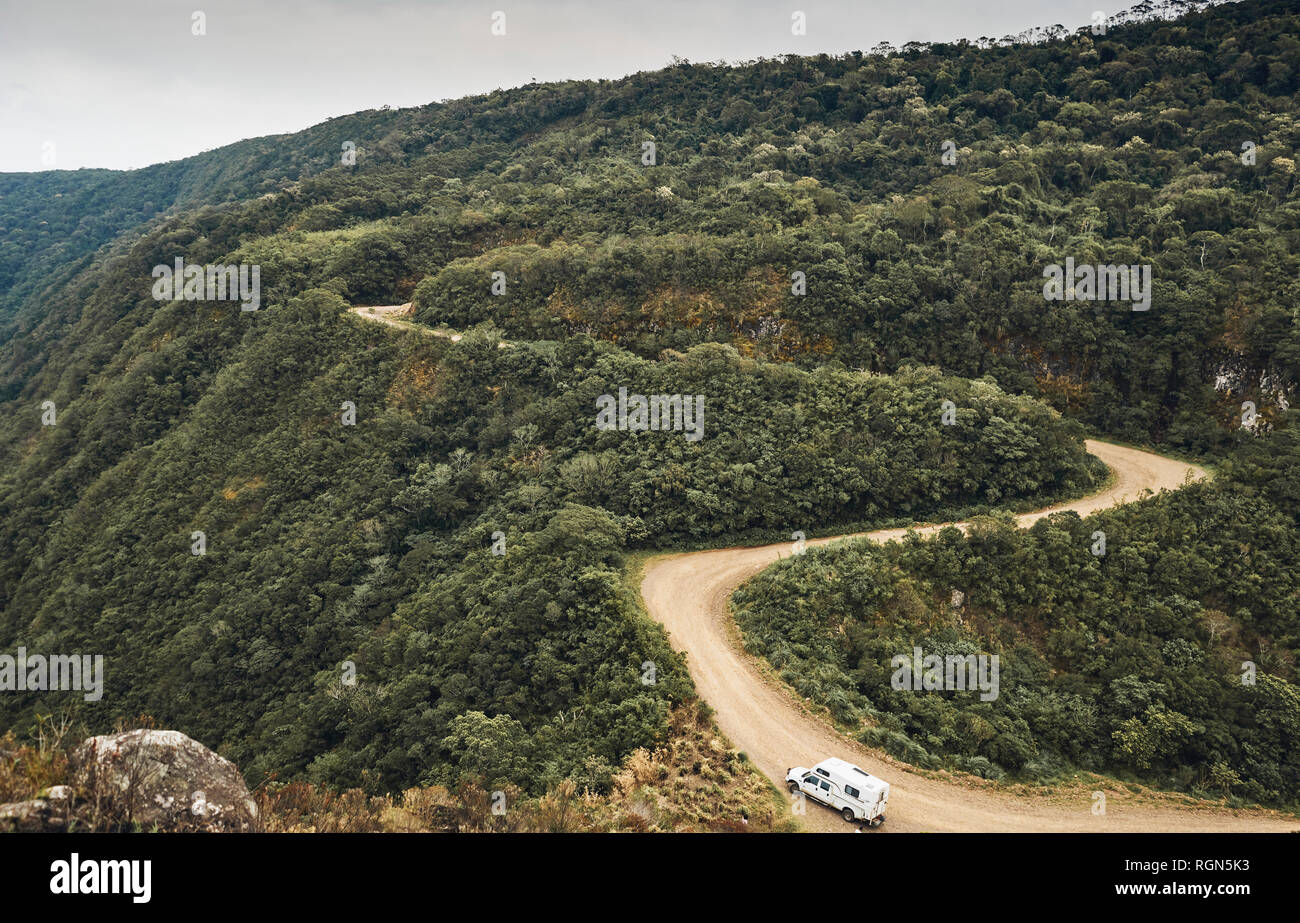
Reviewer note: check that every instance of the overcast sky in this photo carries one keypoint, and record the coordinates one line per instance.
(126, 83)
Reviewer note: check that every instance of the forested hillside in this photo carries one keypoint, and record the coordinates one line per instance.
(373, 543)
(1169, 143)
(784, 237)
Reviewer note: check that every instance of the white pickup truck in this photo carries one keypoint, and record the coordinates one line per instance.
(859, 796)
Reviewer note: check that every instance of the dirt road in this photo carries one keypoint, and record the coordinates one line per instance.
(688, 593)
(397, 315)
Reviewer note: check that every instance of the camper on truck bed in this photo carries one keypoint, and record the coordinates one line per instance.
(854, 792)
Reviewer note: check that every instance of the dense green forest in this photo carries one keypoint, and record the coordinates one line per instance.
(373, 543)
(1126, 147)
(798, 252)
(1172, 657)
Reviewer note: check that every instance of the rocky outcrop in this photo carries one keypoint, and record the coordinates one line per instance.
(163, 780)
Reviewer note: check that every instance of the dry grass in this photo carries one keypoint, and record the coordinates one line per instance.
(694, 782)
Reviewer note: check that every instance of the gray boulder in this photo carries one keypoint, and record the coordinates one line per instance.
(162, 780)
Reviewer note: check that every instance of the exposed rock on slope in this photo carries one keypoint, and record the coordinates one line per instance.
(164, 779)
(141, 779)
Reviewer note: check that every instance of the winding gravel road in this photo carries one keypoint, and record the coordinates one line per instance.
(688, 593)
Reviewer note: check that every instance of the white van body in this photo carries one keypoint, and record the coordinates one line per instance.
(859, 796)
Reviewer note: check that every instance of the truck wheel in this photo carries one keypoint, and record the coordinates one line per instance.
(848, 815)
(793, 786)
